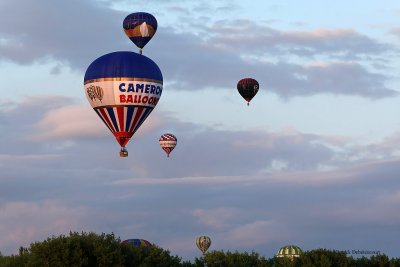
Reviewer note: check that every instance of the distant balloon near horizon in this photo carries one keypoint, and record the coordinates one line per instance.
(138, 243)
(289, 251)
(203, 243)
(123, 88)
(168, 142)
(140, 27)
(248, 88)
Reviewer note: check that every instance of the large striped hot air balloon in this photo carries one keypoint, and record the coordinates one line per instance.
(140, 28)
(248, 88)
(123, 88)
(168, 142)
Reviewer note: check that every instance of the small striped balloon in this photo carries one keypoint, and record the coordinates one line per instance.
(203, 243)
(168, 142)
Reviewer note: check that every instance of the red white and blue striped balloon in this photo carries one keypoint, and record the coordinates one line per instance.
(168, 142)
(123, 88)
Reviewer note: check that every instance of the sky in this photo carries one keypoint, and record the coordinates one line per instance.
(314, 160)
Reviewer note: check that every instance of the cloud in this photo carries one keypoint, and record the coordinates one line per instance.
(57, 128)
(58, 118)
(69, 122)
(25, 222)
(46, 30)
(212, 55)
(337, 78)
(198, 60)
(216, 218)
(347, 176)
(240, 202)
(254, 234)
(395, 31)
(246, 35)
(248, 190)
(264, 216)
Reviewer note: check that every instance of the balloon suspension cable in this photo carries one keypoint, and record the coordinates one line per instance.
(248, 103)
(141, 51)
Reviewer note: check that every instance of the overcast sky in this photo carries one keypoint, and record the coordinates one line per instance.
(313, 161)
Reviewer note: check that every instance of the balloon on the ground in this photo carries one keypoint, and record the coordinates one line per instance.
(290, 251)
(138, 243)
(248, 88)
(140, 28)
(203, 243)
(123, 88)
(168, 142)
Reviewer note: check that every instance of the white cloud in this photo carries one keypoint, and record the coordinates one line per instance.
(254, 233)
(225, 44)
(69, 122)
(216, 218)
(23, 222)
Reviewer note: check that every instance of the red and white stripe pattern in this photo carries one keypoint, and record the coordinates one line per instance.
(123, 121)
(168, 142)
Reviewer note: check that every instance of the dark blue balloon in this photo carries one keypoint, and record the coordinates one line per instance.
(140, 28)
(138, 243)
(123, 64)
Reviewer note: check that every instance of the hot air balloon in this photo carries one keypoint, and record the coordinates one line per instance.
(140, 28)
(168, 142)
(203, 243)
(289, 251)
(138, 243)
(123, 88)
(248, 88)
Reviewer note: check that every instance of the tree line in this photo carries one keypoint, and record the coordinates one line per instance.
(106, 250)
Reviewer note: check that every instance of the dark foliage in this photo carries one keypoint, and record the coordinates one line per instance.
(105, 250)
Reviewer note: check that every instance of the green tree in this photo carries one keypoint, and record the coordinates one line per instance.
(153, 257)
(80, 250)
(323, 258)
(395, 262)
(235, 259)
(88, 250)
(286, 262)
(105, 250)
(380, 261)
(19, 260)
